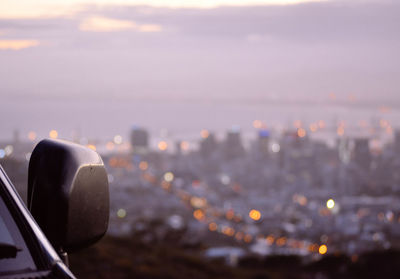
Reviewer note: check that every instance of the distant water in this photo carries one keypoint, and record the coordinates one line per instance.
(175, 120)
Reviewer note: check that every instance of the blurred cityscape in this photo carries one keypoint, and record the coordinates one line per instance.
(306, 185)
(288, 192)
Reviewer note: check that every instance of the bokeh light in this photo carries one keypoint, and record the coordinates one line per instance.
(255, 214)
(323, 249)
(330, 204)
(53, 134)
(121, 213)
(162, 145)
(168, 176)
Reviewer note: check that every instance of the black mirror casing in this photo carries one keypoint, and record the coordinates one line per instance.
(68, 194)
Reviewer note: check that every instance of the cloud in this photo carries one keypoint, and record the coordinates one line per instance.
(149, 28)
(307, 23)
(17, 44)
(105, 24)
(25, 9)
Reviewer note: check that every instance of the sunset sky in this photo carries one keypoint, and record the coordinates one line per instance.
(127, 52)
(46, 8)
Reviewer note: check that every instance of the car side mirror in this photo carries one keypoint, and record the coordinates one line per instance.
(68, 194)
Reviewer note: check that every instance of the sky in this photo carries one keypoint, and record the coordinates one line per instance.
(45, 8)
(64, 63)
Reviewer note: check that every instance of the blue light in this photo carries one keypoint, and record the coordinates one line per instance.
(263, 133)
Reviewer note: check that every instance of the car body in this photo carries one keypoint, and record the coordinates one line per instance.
(68, 205)
(36, 258)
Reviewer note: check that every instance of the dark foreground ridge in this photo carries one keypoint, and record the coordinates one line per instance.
(134, 258)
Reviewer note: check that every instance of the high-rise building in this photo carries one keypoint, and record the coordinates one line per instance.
(397, 142)
(361, 154)
(208, 144)
(139, 139)
(233, 144)
(263, 142)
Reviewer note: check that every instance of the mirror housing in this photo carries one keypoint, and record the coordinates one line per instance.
(68, 194)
